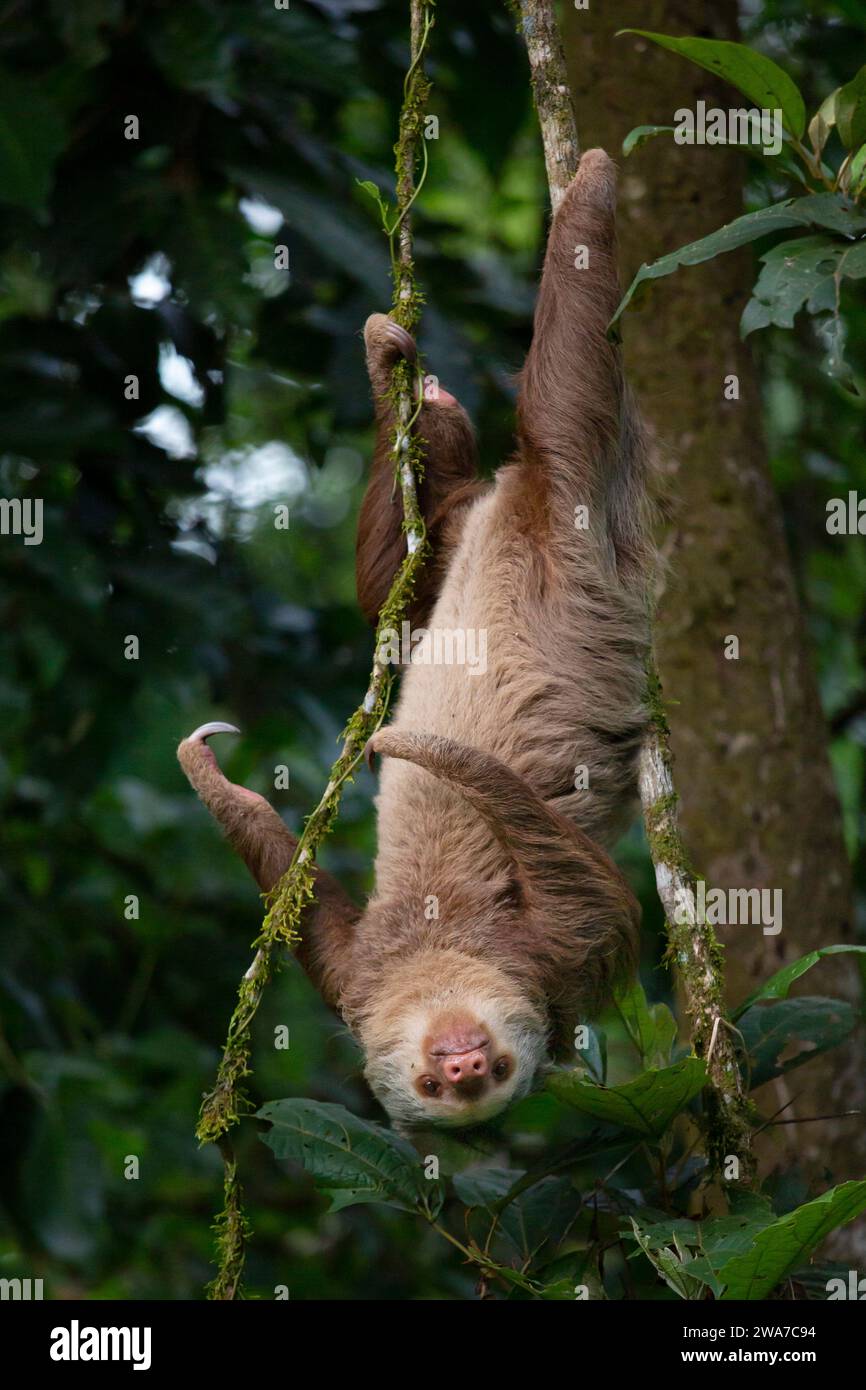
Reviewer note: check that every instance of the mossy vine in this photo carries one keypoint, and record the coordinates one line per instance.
(227, 1102)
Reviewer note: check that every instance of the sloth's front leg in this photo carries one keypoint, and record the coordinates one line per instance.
(266, 846)
(449, 479)
(251, 824)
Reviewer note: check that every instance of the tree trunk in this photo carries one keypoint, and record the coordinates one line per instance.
(759, 808)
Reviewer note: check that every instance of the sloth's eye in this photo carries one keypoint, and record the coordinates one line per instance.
(501, 1068)
(430, 1087)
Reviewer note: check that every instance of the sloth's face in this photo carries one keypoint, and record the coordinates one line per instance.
(458, 1066)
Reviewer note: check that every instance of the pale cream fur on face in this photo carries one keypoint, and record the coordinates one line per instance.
(393, 1036)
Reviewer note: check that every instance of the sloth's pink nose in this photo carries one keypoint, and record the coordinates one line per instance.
(466, 1066)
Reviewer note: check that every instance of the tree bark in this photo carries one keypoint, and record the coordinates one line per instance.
(759, 807)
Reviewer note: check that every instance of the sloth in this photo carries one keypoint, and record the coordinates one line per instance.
(498, 921)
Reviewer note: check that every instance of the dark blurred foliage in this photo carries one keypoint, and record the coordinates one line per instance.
(154, 258)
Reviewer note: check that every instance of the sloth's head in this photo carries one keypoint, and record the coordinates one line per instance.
(455, 1042)
(458, 1027)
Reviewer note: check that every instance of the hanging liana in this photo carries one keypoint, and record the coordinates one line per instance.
(223, 1106)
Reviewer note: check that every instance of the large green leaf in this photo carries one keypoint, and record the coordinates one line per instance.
(831, 211)
(768, 1029)
(780, 1247)
(816, 210)
(720, 1252)
(352, 1159)
(778, 985)
(32, 136)
(575, 1155)
(538, 1214)
(851, 111)
(646, 1105)
(804, 273)
(485, 1187)
(759, 78)
(722, 1238)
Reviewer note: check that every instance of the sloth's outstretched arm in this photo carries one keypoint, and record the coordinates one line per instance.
(449, 482)
(580, 436)
(266, 846)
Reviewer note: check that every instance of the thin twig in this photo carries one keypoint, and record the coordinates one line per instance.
(810, 1119)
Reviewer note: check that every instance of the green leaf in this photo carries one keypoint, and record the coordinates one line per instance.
(759, 78)
(631, 1003)
(32, 136)
(785, 165)
(823, 121)
(851, 111)
(813, 1279)
(646, 1105)
(562, 1275)
(768, 1029)
(724, 1237)
(651, 1029)
(829, 210)
(660, 1233)
(372, 191)
(574, 1155)
(353, 1160)
(817, 210)
(640, 135)
(670, 1264)
(484, 1187)
(778, 985)
(538, 1213)
(857, 169)
(777, 1250)
(516, 1279)
(542, 1214)
(594, 1055)
(703, 1248)
(805, 273)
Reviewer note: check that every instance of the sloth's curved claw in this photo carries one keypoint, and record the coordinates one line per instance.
(385, 341)
(195, 752)
(402, 340)
(204, 731)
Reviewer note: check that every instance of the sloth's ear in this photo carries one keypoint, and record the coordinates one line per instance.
(584, 914)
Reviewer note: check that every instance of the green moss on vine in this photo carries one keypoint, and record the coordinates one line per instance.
(227, 1102)
(232, 1231)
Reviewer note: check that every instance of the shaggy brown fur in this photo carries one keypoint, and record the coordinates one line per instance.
(477, 809)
